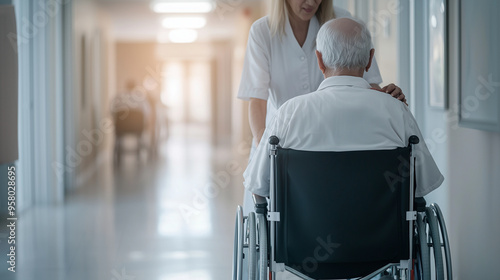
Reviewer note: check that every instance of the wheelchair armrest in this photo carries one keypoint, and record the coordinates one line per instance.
(420, 204)
(260, 204)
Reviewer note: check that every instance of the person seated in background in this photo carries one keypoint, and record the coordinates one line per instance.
(131, 99)
(344, 114)
(131, 114)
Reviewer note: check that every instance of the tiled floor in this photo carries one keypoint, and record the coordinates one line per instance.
(169, 219)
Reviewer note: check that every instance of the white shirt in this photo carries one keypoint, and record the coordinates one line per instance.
(278, 69)
(344, 114)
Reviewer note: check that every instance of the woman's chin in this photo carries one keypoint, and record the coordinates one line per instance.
(306, 17)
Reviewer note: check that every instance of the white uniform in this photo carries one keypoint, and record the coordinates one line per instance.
(343, 115)
(278, 69)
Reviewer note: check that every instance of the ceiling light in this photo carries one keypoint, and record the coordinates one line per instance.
(184, 22)
(191, 7)
(183, 35)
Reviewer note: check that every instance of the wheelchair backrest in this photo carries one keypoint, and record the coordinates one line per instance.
(128, 121)
(342, 210)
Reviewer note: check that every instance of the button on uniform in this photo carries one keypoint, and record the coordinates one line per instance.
(305, 86)
(302, 57)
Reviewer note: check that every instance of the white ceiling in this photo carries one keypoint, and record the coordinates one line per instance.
(133, 20)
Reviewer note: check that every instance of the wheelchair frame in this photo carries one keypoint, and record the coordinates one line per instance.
(427, 231)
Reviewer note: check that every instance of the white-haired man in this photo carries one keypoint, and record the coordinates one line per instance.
(344, 114)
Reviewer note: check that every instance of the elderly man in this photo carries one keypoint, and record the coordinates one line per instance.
(344, 114)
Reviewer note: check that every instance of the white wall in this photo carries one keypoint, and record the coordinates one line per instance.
(474, 181)
(92, 88)
(474, 194)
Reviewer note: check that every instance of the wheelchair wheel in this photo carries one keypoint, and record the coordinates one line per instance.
(238, 245)
(423, 265)
(262, 228)
(436, 243)
(444, 236)
(252, 246)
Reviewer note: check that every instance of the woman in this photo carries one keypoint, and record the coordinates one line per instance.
(280, 61)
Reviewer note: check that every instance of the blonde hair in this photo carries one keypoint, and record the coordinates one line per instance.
(279, 12)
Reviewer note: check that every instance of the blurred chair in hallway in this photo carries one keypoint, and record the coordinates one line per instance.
(131, 113)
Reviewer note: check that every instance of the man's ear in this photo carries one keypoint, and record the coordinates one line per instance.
(321, 65)
(372, 53)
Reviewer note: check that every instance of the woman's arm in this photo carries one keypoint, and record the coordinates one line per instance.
(255, 77)
(257, 111)
(395, 92)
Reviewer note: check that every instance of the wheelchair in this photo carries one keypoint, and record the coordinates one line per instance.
(338, 215)
(128, 122)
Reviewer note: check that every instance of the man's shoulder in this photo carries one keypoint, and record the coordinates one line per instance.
(327, 96)
(301, 99)
(390, 100)
(300, 102)
(332, 97)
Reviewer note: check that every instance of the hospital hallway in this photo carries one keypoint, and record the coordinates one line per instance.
(167, 219)
(125, 125)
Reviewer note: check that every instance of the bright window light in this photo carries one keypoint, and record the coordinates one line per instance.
(183, 35)
(162, 37)
(184, 22)
(190, 7)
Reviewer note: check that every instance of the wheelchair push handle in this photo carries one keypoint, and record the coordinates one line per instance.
(414, 139)
(274, 140)
(260, 204)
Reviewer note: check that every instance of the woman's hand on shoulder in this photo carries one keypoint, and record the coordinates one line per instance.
(394, 91)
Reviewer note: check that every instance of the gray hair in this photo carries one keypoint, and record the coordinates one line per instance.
(344, 48)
